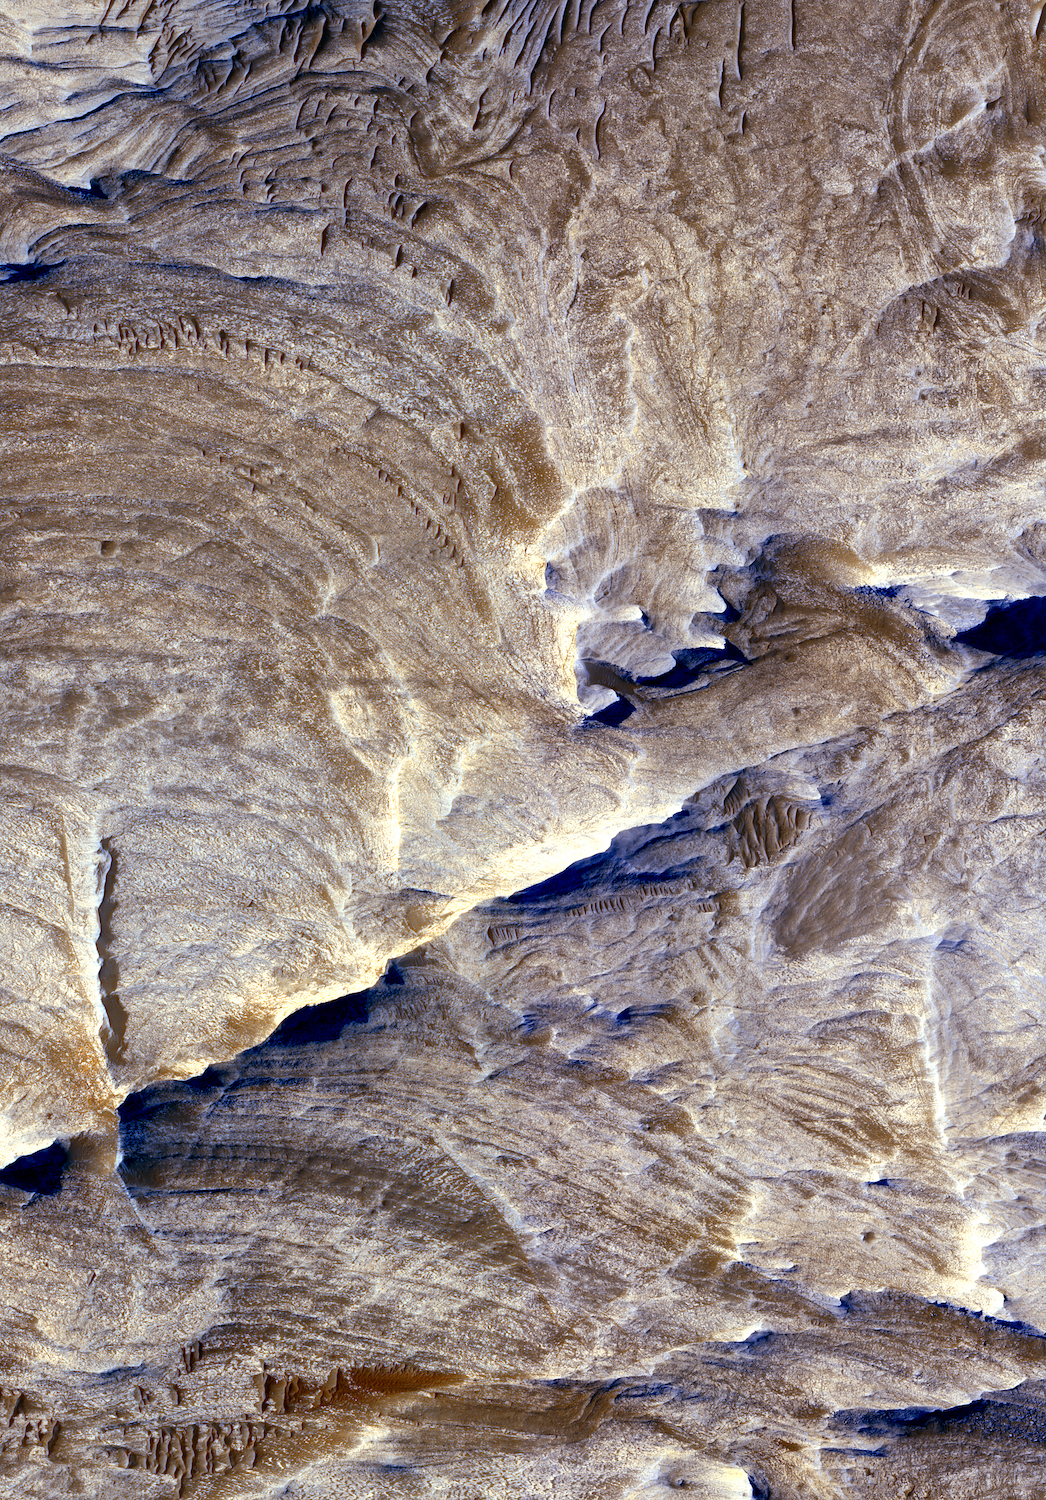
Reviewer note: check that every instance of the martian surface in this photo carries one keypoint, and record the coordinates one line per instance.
(522, 734)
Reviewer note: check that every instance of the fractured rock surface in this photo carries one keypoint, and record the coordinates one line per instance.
(523, 697)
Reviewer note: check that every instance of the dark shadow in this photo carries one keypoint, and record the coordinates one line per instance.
(1013, 630)
(1011, 1420)
(650, 1391)
(320, 1023)
(30, 272)
(40, 1173)
(159, 1097)
(758, 1340)
(613, 715)
(153, 1109)
(108, 967)
(692, 664)
(211, 1081)
(145, 1112)
(633, 1014)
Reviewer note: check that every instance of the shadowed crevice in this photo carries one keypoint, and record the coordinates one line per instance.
(314, 1024)
(691, 664)
(1011, 630)
(39, 1173)
(614, 714)
(1019, 1416)
(28, 271)
(114, 1032)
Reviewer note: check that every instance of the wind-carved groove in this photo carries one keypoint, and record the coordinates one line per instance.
(683, 19)
(183, 334)
(114, 1027)
(766, 827)
(505, 932)
(630, 901)
(440, 540)
(191, 1452)
(618, 904)
(22, 1429)
(736, 797)
(287, 1395)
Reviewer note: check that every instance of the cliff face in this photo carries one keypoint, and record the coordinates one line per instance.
(523, 695)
